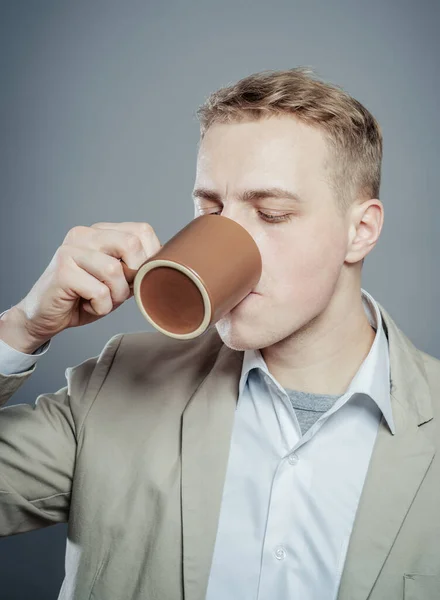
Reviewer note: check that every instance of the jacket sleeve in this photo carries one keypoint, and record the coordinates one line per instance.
(38, 444)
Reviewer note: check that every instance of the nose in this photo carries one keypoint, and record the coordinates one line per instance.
(233, 213)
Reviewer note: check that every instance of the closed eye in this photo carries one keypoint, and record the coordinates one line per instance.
(269, 218)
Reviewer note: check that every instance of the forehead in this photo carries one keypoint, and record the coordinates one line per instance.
(275, 147)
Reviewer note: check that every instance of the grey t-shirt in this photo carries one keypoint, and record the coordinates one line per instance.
(309, 407)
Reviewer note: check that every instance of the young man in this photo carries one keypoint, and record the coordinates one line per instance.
(287, 453)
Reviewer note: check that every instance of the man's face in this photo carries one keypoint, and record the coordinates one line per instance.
(302, 257)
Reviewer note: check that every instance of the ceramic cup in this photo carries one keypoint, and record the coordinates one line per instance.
(197, 277)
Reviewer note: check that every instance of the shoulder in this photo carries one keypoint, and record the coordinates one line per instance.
(154, 352)
(432, 369)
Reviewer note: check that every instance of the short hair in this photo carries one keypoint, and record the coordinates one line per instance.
(353, 134)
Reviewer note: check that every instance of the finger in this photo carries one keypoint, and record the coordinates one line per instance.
(143, 229)
(147, 236)
(88, 287)
(119, 244)
(106, 269)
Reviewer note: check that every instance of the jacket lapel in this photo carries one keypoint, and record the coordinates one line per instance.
(206, 433)
(397, 468)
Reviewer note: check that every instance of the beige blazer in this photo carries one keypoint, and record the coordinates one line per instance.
(132, 453)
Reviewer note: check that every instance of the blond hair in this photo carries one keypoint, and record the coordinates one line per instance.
(353, 134)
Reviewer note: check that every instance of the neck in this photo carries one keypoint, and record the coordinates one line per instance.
(324, 356)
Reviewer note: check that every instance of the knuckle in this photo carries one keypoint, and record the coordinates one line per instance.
(112, 268)
(75, 233)
(102, 292)
(100, 224)
(146, 228)
(133, 242)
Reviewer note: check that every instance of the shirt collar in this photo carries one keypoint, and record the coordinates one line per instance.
(372, 377)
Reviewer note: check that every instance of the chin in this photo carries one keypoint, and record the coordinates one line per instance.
(236, 337)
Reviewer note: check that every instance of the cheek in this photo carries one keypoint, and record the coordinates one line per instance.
(304, 261)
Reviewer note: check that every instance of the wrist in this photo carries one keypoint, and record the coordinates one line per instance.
(15, 333)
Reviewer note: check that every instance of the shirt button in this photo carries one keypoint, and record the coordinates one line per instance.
(293, 459)
(280, 553)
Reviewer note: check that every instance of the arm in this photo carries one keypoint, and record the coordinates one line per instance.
(13, 361)
(38, 444)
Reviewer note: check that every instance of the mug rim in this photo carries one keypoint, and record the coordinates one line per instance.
(160, 262)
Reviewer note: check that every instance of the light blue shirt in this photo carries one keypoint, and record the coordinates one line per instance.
(13, 361)
(289, 500)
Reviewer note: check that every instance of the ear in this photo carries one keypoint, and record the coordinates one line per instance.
(366, 221)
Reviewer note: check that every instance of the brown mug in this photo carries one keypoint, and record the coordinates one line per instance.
(197, 277)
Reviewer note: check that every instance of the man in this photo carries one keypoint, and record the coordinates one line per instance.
(287, 453)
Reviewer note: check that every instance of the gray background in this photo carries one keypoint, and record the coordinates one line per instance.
(98, 123)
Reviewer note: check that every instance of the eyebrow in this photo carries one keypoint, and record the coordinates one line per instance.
(250, 195)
